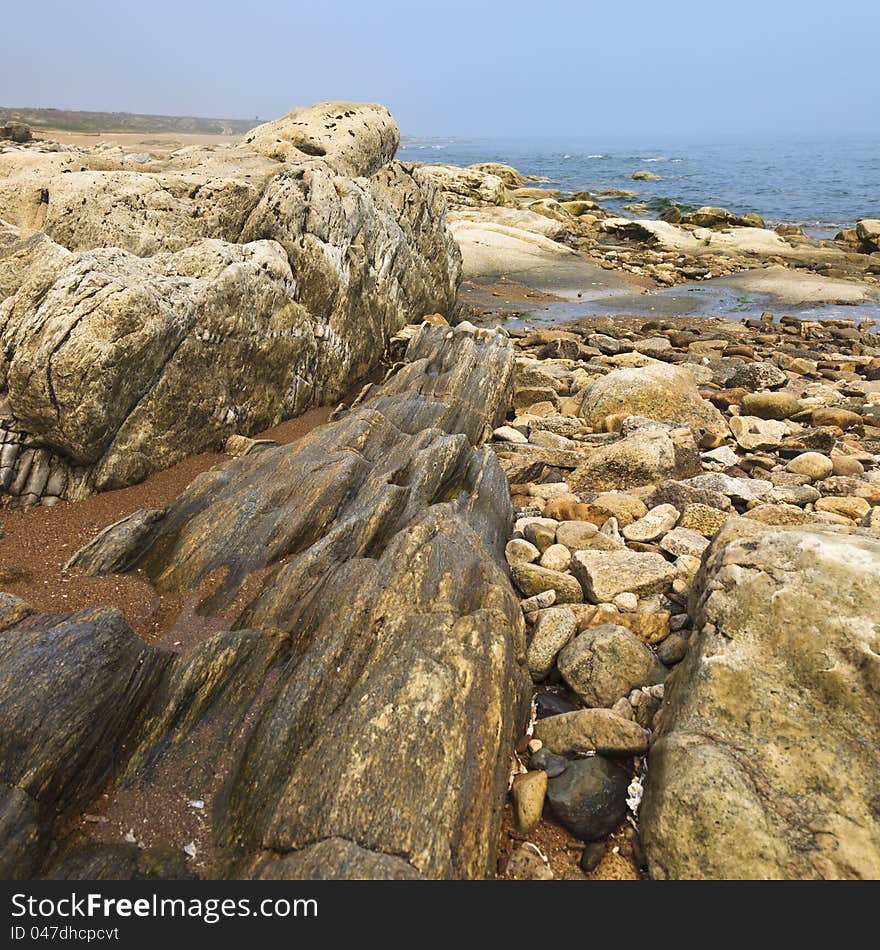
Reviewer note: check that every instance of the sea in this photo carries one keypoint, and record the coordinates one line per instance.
(821, 185)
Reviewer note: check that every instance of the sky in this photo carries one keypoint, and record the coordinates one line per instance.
(594, 69)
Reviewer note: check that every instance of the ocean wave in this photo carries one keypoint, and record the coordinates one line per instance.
(595, 156)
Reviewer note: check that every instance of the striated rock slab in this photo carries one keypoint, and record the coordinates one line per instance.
(359, 715)
(765, 766)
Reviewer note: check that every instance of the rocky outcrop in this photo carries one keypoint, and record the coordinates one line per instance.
(146, 315)
(763, 766)
(357, 718)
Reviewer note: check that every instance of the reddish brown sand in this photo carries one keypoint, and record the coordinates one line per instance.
(563, 851)
(38, 542)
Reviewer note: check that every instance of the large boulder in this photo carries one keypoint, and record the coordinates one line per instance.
(355, 714)
(259, 279)
(657, 391)
(764, 764)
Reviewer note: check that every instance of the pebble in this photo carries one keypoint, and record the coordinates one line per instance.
(554, 628)
(592, 856)
(557, 558)
(525, 864)
(520, 551)
(653, 525)
(528, 793)
(549, 762)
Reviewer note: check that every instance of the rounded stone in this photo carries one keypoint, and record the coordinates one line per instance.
(589, 797)
(812, 464)
(557, 558)
(772, 405)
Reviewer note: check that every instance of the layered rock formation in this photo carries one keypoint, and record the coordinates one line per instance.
(357, 719)
(149, 314)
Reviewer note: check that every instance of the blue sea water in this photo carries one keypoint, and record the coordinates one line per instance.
(821, 185)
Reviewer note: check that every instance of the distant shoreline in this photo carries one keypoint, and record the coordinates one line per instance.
(69, 120)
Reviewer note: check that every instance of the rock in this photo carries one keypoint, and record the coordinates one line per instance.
(589, 797)
(645, 176)
(724, 455)
(759, 769)
(770, 405)
(868, 232)
(541, 534)
(624, 507)
(845, 465)
(525, 864)
(872, 518)
(547, 761)
(657, 522)
(754, 434)
(557, 558)
(592, 856)
(390, 730)
(673, 649)
(709, 217)
(546, 598)
(756, 376)
(842, 419)
(509, 434)
(662, 392)
(240, 445)
(703, 519)
(604, 663)
(739, 489)
(531, 579)
(17, 132)
(643, 458)
(626, 602)
(528, 793)
(241, 285)
(576, 535)
(592, 730)
(554, 628)
(849, 507)
(683, 542)
(648, 627)
(520, 551)
(682, 494)
(605, 574)
(811, 464)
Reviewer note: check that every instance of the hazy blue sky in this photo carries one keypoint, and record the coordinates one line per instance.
(593, 69)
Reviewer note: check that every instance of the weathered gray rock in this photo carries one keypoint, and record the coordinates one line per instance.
(662, 392)
(763, 766)
(605, 574)
(591, 730)
(554, 627)
(604, 663)
(260, 279)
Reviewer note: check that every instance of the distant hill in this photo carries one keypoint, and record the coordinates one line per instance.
(72, 121)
